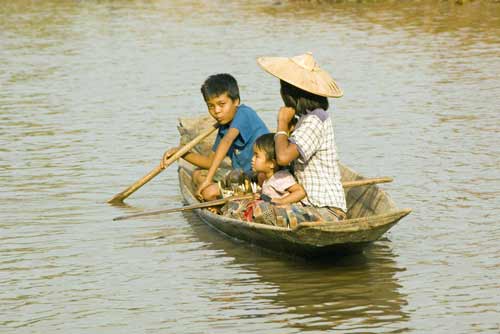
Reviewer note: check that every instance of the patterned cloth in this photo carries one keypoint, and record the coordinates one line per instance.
(276, 185)
(317, 168)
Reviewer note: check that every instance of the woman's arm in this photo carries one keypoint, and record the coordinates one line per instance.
(286, 152)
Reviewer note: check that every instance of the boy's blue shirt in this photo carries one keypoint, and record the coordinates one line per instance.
(251, 127)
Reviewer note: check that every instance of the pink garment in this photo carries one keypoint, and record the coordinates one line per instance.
(276, 185)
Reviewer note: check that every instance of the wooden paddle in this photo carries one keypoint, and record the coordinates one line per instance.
(366, 182)
(216, 202)
(347, 184)
(118, 198)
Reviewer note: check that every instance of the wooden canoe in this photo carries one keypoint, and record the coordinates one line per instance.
(371, 213)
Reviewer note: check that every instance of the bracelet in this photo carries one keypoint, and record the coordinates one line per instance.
(280, 133)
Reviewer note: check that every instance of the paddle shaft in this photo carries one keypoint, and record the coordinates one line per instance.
(366, 182)
(347, 184)
(216, 202)
(118, 198)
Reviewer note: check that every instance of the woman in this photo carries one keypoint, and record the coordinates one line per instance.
(309, 144)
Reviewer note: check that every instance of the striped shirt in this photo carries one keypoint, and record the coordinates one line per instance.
(317, 167)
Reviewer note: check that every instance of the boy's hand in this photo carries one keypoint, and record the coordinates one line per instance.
(285, 116)
(166, 156)
(202, 187)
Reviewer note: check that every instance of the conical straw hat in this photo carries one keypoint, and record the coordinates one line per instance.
(303, 72)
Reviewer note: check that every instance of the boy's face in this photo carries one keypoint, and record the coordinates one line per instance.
(222, 108)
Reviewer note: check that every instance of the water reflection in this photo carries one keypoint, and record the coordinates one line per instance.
(360, 291)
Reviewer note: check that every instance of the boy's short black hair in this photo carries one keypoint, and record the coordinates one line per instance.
(219, 84)
(300, 100)
(266, 144)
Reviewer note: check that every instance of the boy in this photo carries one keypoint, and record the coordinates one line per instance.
(239, 127)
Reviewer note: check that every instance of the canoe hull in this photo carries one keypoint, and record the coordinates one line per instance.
(309, 240)
(273, 242)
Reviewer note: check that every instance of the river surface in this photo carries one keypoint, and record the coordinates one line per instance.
(90, 94)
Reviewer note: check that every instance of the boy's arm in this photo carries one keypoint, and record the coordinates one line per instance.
(199, 160)
(296, 194)
(196, 159)
(219, 155)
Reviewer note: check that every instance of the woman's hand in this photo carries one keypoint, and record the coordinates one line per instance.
(285, 116)
(166, 156)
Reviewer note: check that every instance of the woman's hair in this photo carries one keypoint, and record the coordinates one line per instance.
(218, 84)
(265, 143)
(300, 100)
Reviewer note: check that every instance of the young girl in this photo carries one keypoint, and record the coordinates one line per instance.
(310, 146)
(278, 184)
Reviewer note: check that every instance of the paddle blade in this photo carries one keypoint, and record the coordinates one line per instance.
(118, 198)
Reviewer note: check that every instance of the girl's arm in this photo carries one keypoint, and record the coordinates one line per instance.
(296, 194)
(286, 152)
(219, 155)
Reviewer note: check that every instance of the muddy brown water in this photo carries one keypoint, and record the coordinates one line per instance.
(90, 93)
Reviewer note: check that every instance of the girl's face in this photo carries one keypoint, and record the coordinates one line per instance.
(260, 164)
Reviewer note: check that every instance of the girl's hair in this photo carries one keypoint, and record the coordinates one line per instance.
(265, 143)
(300, 100)
(218, 84)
